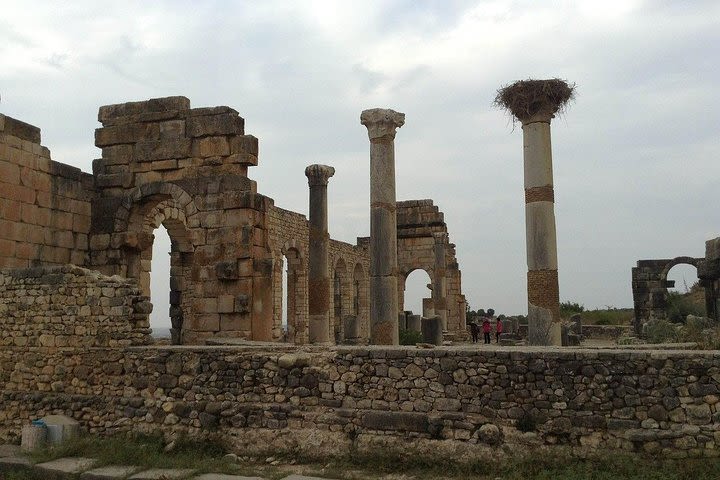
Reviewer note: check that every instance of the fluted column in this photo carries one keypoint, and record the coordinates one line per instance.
(382, 125)
(439, 291)
(318, 272)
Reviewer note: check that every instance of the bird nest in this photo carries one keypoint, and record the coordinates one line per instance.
(526, 98)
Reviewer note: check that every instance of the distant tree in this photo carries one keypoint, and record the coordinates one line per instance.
(570, 308)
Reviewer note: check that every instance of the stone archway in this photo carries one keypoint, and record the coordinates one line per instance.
(154, 211)
(296, 294)
(650, 287)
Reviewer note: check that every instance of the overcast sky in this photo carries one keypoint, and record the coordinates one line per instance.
(636, 162)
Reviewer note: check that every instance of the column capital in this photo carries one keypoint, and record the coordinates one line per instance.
(382, 122)
(318, 174)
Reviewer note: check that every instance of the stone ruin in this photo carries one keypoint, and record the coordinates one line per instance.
(75, 253)
(164, 163)
(650, 284)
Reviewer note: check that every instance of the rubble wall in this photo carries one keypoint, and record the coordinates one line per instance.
(44, 205)
(70, 306)
(445, 400)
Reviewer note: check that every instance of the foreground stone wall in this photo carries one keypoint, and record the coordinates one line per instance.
(44, 205)
(70, 307)
(445, 401)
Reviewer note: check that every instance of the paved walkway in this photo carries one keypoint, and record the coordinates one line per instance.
(12, 458)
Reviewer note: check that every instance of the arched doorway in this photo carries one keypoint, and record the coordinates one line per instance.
(341, 295)
(683, 295)
(417, 286)
(156, 211)
(292, 307)
(160, 284)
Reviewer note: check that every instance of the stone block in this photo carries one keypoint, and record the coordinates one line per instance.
(244, 144)
(212, 125)
(225, 304)
(124, 180)
(210, 147)
(432, 330)
(108, 112)
(165, 149)
(227, 271)
(399, 421)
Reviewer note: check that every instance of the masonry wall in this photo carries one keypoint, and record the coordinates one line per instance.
(288, 238)
(68, 306)
(44, 205)
(446, 401)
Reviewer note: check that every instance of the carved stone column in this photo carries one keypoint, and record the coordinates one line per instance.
(439, 290)
(535, 103)
(318, 274)
(382, 125)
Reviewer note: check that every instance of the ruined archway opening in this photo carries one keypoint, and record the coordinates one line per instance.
(160, 284)
(341, 298)
(290, 306)
(417, 288)
(283, 301)
(685, 296)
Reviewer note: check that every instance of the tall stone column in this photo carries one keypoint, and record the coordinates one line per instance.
(382, 125)
(318, 272)
(439, 291)
(535, 103)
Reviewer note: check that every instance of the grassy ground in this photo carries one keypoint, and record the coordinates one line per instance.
(385, 465)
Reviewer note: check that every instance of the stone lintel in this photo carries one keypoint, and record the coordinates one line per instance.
(318, 175)
(382, 123)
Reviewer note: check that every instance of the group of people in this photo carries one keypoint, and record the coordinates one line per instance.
(486, 321)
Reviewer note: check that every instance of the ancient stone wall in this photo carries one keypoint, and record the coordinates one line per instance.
(164, 163)
(417, 221)
(649, 287)
(349, 264)
(329, 401)
(709, 274)
(68, 306)
(44, 205)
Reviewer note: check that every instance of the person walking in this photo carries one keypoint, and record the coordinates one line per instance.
(498, 330)
(486, 329)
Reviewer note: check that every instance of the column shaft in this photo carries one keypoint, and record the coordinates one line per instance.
(318, 271)
(381, 125)
(540, 234)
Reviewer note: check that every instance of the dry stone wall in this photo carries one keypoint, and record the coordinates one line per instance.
(450, 401)
(44, 205)
(68, 306)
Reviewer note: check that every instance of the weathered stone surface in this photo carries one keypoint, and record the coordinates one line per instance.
(113, 472)
(68, 465)
(404, 421)
(162, 474)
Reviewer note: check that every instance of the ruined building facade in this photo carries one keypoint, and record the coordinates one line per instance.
(164, 163)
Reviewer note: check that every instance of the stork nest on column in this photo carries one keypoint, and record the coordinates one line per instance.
(526, 98)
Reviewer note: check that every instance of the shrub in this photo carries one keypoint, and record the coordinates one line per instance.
(680, 306)
(660, 331)
(410, 337)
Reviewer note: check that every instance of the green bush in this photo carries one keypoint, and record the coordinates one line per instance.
(661, 331)
(410, 337)
(679, 306)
